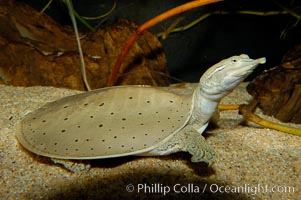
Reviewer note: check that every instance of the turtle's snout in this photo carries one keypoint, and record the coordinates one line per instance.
(261, 60)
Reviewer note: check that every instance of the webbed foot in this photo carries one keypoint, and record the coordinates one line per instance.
(73, 166)
(188, 140)
(201, 151)
(197, 146)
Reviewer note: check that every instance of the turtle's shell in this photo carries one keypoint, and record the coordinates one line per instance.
(104, 123)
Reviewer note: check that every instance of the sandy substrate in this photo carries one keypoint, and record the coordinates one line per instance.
(252, 163)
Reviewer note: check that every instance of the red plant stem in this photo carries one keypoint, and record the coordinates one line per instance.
(148, 24)
(121, 57)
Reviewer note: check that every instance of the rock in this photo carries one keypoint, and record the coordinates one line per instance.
(278, 91)
(36, 50)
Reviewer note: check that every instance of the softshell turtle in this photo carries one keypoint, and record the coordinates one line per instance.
(133, 120)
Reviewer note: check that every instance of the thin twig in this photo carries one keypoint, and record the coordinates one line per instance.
(172, 26)
(223, 107)
(247, 112)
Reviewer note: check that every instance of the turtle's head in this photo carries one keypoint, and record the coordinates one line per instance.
(228, 73)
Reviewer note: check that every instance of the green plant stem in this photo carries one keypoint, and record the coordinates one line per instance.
(103, 15)
(83, 21)
(83, 66)
(291, 12)
(47, 6)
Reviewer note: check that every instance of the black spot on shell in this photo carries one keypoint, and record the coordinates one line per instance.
(86, 104)
(55, 143)
(144, 145)
(122, 146)
(109, 147)
(141, 124)
(168, 117)
(134, 137)
(44, 133)
(91, 149)
(123, 119)
(63, 131)
(112, 113)
(157, 112)
(91, 116)
(145, 134)
(162, 130)
(140, 113)
(66, 149)
(65, 106)
(147, 101)
(66, 118)
(130, 97)
(76, 140)
(33, 118)
(101, 104)
(43, 120)
(87, 139)
(78, 126)
(171, 101)
(115, 136)
(100, 125)
(103, 140)
(123, 127)
(159, 121)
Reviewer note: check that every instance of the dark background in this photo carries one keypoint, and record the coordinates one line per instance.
(190, 52)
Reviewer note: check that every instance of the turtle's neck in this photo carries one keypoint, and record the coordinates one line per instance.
(204, 106)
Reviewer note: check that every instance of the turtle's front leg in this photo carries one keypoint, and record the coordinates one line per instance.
(188, 140)
(197, 146)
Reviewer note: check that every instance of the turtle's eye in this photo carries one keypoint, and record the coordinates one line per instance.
(233, 61)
